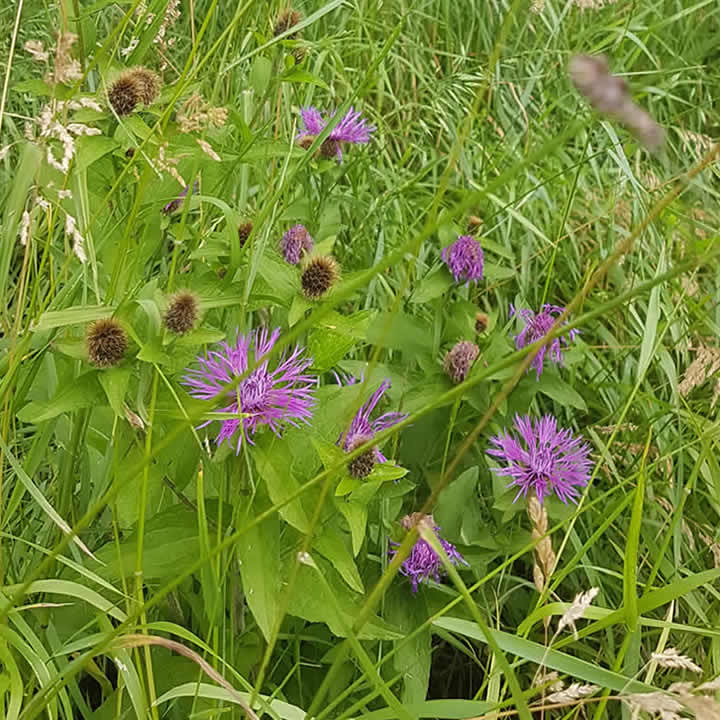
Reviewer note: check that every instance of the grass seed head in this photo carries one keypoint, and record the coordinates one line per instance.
(106, 343)
(318, 276)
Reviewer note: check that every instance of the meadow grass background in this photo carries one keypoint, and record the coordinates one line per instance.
(182, 543)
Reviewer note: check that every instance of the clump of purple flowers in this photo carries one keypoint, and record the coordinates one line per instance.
(543, 460)
(272, 397)
(362, 429)
(465, 259)
(295, 243)
(353, 128)
(537, 325)
(424, 563)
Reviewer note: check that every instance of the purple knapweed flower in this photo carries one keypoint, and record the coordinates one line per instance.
(295, 243)
(536, 327)
(362, 429)
(424, 563)
(173, 205)
(547, 460)
(265, 396)
(465, 259)
(353, 128)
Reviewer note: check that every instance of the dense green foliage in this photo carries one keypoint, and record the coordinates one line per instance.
(194, 579)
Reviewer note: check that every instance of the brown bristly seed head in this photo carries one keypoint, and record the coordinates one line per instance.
(287, 19)
(482, 322)
(106, 343)
(182, 313)
(123, 95)
(306, 141)
(148, 84)
(244, 230)
(318, 276)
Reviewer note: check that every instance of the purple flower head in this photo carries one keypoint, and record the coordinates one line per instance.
(273, 397)
(465, 259)
(295, 243)
(362, 427)
(424, 563)
(353, 128)
(536, 327)
(547, 460)
(173, 205)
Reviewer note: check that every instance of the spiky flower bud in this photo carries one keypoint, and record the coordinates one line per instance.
(459, 360)
(244, 231)
(318, 276)
(106, 343)
(482, 322)
(182, 313)
(287, 19)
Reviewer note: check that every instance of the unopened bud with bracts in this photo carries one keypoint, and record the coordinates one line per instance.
(459, 360)
(287, 19)
(244, 230)
(106, 343)
(182, 313)
(482, 322)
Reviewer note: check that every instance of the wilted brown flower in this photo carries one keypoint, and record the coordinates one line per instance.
(318, 276)
(106, 343)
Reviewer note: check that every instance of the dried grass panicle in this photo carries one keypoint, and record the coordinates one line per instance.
(671, 658)
(573, 692)
(551, 679)
(656, 702)
(37, 50)
(610, 95)
(166, 163)
(67, 69)
(577, 610)
(207, 148)
(704, 366)
(544, 555)
(196, 115)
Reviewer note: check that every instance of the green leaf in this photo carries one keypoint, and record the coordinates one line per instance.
(258, 553)
(631, 554)
(554, 387)
(554, 659)
(78, 315)
(299, 75)
(433, 285)
(274, 465)
(651, 323)
(356, 516)
(91, 148)
(331, 544)
(213, 692)
(401, 331)
(310, 600)
(260, 74)
(115, 381)
(413, 653)
(84, 391)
